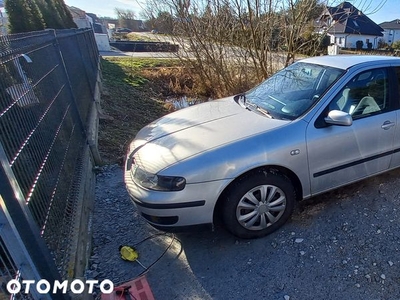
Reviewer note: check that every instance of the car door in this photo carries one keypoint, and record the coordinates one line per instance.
(395, 162)
(339, 155)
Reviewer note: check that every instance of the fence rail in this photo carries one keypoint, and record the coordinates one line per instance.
(47, 88)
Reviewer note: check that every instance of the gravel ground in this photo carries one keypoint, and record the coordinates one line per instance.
(340, 245)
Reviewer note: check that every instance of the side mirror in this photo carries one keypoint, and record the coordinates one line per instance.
(337, 117)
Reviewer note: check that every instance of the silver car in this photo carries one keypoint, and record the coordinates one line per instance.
(316, 125)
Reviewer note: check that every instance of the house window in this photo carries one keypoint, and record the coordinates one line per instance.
(367, 41)
(391, 32)
(340, 40)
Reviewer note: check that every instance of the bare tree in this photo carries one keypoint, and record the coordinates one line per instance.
(234, 44)
(126, 17)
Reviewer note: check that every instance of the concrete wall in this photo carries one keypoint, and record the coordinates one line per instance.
(3, 23)
(333, 50)
(102, 41)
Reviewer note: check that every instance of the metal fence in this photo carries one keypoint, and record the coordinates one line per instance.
(47, 86)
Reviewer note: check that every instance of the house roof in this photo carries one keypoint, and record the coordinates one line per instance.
(77, 12)
(94, 17)
(395, 24)
(348, 19)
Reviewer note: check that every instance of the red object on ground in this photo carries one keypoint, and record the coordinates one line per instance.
(138, 289)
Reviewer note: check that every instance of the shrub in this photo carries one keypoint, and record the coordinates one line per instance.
(396, 45)
(382, 44)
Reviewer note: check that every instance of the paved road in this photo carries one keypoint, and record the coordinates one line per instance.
(235, 55)
(138, 54)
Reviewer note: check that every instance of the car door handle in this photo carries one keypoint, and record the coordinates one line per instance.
(387, 125)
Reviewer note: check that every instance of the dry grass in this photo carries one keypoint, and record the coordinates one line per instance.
(134, 95)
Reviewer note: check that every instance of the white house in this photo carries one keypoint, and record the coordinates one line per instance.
(391, 32)
(346, 25)
(82, 20)
(3, 19)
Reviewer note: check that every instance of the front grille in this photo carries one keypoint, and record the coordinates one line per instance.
(161, 220)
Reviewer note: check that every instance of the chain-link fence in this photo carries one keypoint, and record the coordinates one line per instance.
(47, 86)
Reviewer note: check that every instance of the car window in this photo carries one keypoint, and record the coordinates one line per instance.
(292, 91)
(398, 82)
(365, 94)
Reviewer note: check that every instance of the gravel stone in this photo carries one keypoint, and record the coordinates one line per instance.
(347, 258)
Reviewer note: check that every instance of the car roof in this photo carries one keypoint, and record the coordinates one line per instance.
(347, 61)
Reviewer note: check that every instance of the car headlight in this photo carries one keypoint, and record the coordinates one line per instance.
(158, 182)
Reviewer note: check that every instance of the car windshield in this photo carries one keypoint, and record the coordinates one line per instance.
(292, 91)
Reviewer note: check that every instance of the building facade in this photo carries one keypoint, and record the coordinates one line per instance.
(391, 31)
(348, 27)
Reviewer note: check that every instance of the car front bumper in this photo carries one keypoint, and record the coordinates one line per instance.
(177, 210)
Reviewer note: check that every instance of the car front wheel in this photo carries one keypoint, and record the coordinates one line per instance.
(258, 204)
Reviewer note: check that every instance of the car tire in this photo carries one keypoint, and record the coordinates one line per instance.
(258, 204)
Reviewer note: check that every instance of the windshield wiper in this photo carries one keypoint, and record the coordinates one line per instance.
(264, 112)
(254, 107)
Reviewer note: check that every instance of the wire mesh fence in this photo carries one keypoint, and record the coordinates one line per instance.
(9, 271)
(47, 82)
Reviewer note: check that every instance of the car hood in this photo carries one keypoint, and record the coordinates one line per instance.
(196, 129)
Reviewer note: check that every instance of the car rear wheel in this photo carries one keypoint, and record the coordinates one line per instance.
(258, 204)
